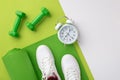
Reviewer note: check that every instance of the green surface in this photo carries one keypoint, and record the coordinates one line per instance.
(32, 8)
(27, 37)
(17, 62)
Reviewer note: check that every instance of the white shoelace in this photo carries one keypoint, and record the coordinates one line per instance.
(72, 74)
(47, 68)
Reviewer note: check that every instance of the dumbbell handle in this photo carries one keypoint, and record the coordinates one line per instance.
(37, 19)
(16, 24)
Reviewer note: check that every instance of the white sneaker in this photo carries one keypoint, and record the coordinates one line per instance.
(70, 68)
(46, 63)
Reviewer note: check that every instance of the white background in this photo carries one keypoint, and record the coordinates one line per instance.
(99, 25)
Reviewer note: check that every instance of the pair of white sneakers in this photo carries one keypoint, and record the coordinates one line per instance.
(46, 64)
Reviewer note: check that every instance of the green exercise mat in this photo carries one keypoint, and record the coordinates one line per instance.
(19, 65)
(22, 62)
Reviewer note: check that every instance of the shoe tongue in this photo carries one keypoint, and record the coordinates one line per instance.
(53, 77)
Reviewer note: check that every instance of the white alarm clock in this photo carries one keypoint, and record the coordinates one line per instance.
(67, 33)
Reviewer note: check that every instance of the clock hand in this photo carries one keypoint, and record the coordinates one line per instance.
(69, 30)
(65, 36)
(70, 36)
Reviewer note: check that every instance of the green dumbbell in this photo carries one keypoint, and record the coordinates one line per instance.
(44, 12)
(14, 32)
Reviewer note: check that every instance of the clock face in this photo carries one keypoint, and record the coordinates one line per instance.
(68, 34)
